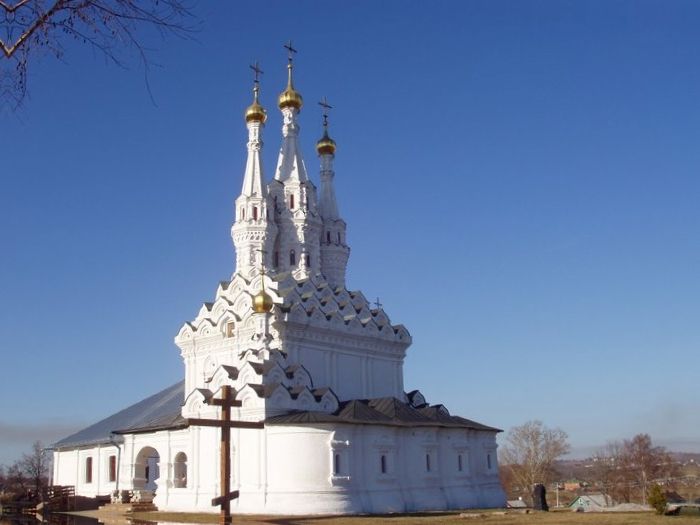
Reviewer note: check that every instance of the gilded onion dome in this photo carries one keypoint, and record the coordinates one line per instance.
(262, 302)
(255, 112)
(325, 145)
(290, 97)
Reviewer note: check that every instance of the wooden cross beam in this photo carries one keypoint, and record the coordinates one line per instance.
(226, 402)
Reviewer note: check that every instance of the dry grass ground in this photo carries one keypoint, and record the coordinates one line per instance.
(480, 517)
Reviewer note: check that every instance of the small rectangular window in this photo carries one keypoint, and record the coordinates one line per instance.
(460, 466)
(383, 464)
(88, 470)
(488, 461)
(427, 462)
(336, 464)
(112, 468)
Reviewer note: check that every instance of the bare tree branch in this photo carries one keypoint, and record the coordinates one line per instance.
(112, 27)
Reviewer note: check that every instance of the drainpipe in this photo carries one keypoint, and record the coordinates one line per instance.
(119, 458)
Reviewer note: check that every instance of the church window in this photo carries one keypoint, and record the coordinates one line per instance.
(112, 468)
(276, 259)
(242, 213)
(88, 469)
(382, 463)
(328, 237)
(180, 471)
(229, 328)
(460, 465)
(427, 462)
(255, 213)
(338, 237)
(336, 464)
(488, 461)
(292, 258)
(291, 201)
(308, 261)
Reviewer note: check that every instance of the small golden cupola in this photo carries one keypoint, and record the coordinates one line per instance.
(262, 302)
(255, 112)
(325, 145)
(290, 97)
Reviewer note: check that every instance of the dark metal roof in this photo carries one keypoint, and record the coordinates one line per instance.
(387, 411)
(157, 412)
(163, 411)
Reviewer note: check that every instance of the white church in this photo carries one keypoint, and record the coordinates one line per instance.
(313, 361)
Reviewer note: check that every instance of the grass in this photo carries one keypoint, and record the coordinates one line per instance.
(485, 517)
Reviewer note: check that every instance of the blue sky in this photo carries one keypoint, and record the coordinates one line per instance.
(519, 179)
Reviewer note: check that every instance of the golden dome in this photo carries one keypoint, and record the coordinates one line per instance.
(325, 145)
(290, 97)
(255, 112)
(262, 303)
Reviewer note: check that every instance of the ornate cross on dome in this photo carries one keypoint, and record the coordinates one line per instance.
(256, 67)
(290, 51)
(377, 303)
(326, 106)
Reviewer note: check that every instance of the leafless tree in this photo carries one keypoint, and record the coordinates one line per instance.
(530, 450)
(34, 466)
(605, 469)
(644, 463)
(113, 27)
(625, 471)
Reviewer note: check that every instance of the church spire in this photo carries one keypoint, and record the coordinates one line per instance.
(334, 250)
(255, 117)
(296, 211)
(253, 231)
(290, 164)
(328, 206)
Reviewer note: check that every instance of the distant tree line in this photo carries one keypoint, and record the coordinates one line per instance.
(625, 471)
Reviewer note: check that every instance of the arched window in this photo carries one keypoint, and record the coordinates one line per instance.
(88, 469)
(292, 258)
(460, 466)
(308, 261)
(291, 201)
(427, 462)
(180, 471)
(338, 237)
(242, 214)
(488, 461)
(382, 463)
(336, 464)
(255, 213)
(328, 237)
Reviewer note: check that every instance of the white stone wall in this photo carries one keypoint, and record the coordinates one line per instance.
(290, 469)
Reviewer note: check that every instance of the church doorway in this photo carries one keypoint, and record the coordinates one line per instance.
(147, 469)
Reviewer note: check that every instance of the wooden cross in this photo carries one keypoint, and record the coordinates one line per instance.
(226, 402)
(290, 50)
(256, 67)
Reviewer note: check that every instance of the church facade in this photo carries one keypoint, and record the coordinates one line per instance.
(314, 362)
